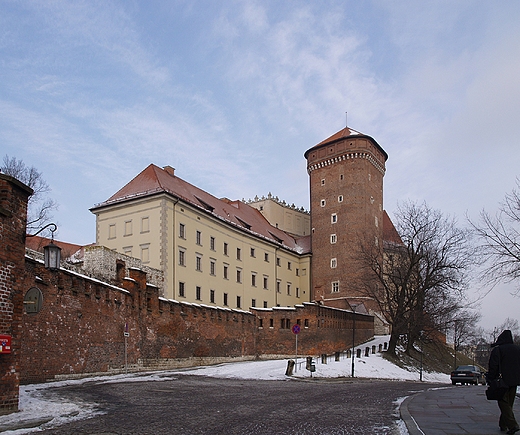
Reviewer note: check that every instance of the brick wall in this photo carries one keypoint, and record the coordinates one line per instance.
(13, 219)
(81, 326)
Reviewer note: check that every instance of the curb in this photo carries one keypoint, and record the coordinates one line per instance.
(411, 424)
(25, 424)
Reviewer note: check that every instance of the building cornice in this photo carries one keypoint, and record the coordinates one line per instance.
(347, 156)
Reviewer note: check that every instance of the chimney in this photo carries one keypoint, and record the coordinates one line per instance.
(170, 170)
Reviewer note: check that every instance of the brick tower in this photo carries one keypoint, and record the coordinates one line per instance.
(346, 201)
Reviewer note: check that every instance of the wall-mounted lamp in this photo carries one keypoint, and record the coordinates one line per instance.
(51, 252)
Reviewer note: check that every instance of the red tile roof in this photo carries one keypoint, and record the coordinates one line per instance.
(154, 180)
(37, 243)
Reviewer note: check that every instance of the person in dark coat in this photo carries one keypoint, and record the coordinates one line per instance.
(505, 359)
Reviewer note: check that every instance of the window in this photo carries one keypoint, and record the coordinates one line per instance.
(239, 275)
(145, 253)
(225, 248)
(341, 177)
(333, 263)
(239, 254)
(128, 228)
(182, 294)
(212, 296)
(239, 302)
(112, 231)
(212, 267)
(226, 267)
(335, 286)
(322, 203)
(265, 304)
(266, 257)
(212, 243)
(225, 299)
(340, 198)
(333, 239)
(197, 293)
(289, 266)
(252, 252)
(298, 292)
(182, 257)
(253, 302)
(288, 289)
(306, 323)
(145, 224)
(277, 261)
(127, 250)
(266, 280)
(271, 323)
(278, 285)
(323, 181)
(198, 235)
(182, 231)
(198, 263)
(253, 279)
(297, 272)
(333, 218)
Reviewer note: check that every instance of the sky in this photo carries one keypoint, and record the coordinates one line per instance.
(233, 93)
(34, 404)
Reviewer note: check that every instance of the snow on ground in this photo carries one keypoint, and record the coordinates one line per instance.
(34, 407)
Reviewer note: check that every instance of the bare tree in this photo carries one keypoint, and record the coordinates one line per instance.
(500, 241)
(40, 206)
(420, 283)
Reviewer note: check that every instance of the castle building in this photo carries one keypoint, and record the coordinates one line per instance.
(346, 200)
(212, 251)
(261, 253)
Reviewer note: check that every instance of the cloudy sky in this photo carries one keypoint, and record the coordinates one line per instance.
(232, 93)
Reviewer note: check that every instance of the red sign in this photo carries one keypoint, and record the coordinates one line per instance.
(296, 329)
(5, 344)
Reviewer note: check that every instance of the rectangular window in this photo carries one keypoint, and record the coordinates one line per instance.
(239, 254)
(128, 228)
(239, 275)
(333, 263)
(297, 272)
(145, 224)
(277, 261)
(252, 252)
(198, 291)
(225, 299)
(289, 265)
(288, 289)
(278, 286)
(198, 236)
(182, 257)
(253, 302)
(266, 281)
(271, 323)
(226, 271)
(335, 286)
(225, 248)
(112, 231)
(212, 296)
(306, 323)
(333, 238)
(266, 257)
(333, 218)
(145, 253)
(322, 203)
(253, 279)
(265, 304)
(198, 263)
(212, 267)
(239, 302)
(212, 243)
(340, 198)
(182, 231)
(297, 292)
(182, 294)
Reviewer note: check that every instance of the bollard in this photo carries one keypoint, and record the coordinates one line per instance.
(290, 368)
(358, 353)
(380, 347)
(336, 356)
(385, 345)
(308, 363)
(367, 351)
(373, 349)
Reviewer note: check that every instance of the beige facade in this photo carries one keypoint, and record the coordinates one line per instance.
(206, 257)
(281, 215)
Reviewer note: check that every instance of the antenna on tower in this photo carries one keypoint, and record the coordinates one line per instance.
(346, 119)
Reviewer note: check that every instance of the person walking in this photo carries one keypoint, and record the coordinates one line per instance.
(505, 360)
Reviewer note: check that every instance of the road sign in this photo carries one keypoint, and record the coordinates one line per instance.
(296, 329)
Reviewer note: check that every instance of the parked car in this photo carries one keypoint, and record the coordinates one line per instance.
(467, 375)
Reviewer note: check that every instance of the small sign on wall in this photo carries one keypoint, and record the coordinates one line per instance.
(5, 344)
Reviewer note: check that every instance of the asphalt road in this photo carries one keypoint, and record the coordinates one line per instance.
(182, 404)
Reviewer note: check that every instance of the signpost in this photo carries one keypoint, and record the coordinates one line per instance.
(126, 335)
(296, 330)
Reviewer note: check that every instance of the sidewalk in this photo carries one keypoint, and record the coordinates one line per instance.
(453, 410)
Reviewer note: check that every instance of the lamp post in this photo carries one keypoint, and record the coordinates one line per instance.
(51, 252)
(353, 335)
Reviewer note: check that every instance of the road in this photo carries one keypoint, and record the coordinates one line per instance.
(187, 404)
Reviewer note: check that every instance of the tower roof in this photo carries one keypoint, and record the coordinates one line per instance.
(342, 134)
(154, 180)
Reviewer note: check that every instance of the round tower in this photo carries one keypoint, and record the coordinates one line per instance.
(346, 203)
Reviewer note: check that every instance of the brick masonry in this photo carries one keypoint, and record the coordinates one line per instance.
(13, 219)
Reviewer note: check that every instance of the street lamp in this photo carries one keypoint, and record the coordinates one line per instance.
(51, 252)
(354, 306)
